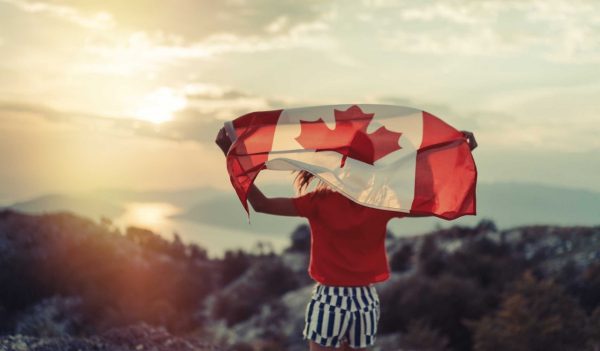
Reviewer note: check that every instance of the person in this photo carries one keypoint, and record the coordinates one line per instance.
(347, 258)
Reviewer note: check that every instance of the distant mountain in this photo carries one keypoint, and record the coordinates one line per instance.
(514, 204)
(226, 210)
(183, 198)
(508, 204)
(519, 204)
(111, 203)
(79, 204)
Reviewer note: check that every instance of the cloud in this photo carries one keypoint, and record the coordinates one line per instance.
(440, 12)
(139, 51)
(534, 118)
(483, 42)
(537, 129)
(187, 124)
(98, 20)
(228, 94)
(142, 41)
(197, 20)
(461, 120)
(560, 31)
(45, 111)
(207, 107)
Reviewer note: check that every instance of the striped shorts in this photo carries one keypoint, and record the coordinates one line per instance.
(335, 314)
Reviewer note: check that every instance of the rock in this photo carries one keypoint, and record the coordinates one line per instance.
(20, 346)
(140, 337)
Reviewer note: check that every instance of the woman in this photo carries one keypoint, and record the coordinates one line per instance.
(347, 257)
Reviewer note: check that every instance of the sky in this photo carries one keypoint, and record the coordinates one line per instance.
(130, 94)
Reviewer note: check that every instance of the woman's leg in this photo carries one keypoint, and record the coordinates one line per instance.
(313, 346)
(345, 347)
(316, 347)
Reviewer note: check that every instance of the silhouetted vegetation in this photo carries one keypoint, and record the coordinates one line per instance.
(492, 291)
(300, 239)
(534, 315)
(421, 337)
(401, 260)
(63, 276)
(267, 279)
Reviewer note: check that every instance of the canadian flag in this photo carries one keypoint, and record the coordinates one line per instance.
(382, 156)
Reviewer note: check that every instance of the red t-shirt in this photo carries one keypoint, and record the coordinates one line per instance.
(347, 239)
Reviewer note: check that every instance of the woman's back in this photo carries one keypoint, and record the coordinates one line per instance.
(347, 239)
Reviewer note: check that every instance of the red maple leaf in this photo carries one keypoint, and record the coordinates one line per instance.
(349, 137)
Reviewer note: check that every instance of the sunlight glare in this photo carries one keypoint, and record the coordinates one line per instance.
(159, 106)
(151, 215)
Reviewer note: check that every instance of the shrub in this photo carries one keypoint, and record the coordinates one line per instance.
(421, 337)
(265, 280)
(443, 303)
(535, 315)
(401, 260)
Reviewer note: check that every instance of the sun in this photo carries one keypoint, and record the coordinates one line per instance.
(159, 106)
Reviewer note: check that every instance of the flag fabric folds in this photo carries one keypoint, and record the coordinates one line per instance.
(382, 156)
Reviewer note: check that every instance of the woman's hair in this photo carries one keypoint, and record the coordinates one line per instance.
(304, 179)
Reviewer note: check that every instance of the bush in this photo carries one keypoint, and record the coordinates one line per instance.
(401, 260)
(431, 259)
(588, 290)
(234, 264)
(265, 280)
(443, 303)
(118, 279)
(490, 265)
(53, 317)
(535, 315)
(421, 337)
(300, 239)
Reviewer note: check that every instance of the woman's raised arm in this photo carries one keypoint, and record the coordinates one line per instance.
(280, 206)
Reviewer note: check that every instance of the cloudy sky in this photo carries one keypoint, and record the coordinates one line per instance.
(99, 94)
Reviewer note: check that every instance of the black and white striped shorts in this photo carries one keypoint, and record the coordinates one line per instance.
(335, 314)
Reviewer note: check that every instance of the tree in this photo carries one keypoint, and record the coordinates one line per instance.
(400, 260)
(431, 259)
(443, 303)
(266, 279)
(589, 293)
(300, 239)
(593, 330)
(234, 264)
(421, 337)
(535, 315)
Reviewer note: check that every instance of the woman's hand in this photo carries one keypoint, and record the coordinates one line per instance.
(223, 140)
(470, 139)
(260, 203)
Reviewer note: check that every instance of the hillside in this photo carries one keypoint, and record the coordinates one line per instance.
(71, 283)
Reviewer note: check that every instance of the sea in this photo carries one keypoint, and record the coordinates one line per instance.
(158, 217)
